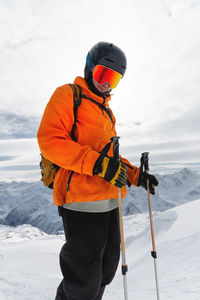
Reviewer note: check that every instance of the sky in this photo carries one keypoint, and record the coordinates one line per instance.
(44, 45)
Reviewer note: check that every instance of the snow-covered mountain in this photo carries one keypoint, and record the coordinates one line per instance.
(174, 189)
(31, 203)
(29, 258)
(28, 203)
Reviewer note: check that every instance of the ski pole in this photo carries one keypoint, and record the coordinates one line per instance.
(145, 167)
(115, 140)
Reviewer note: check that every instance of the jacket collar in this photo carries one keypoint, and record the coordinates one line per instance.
(85, 90)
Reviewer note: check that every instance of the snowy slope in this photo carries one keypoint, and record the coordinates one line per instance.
(178, 244)
(30, 268)
(31, 203)
(28, 263)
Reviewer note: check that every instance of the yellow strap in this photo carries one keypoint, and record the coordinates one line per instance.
(104, 167)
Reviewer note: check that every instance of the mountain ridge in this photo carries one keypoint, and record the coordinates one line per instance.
(32, 203)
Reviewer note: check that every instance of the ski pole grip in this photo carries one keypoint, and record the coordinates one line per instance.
(145, 161)
(115, 140)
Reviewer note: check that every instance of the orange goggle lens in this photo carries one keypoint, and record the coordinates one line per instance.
(103, 75)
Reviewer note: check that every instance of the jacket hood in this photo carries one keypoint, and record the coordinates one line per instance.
(85, 90)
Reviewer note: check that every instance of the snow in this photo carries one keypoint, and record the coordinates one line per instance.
(187, 224)
(177, 234)
(30, 268)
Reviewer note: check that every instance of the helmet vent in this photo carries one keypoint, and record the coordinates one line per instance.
(123, 67)
(110, 60)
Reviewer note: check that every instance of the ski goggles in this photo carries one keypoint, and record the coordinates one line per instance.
(103, 75)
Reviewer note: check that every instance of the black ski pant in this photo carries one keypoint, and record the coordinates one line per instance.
(90, 256)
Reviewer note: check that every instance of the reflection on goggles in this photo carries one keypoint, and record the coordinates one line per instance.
(102, 75)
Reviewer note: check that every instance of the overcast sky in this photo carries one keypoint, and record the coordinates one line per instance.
(44, 44)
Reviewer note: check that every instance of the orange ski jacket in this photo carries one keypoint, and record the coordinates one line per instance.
(93, 131)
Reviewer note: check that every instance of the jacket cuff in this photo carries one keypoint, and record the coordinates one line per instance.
(133, 175)
(89, 162)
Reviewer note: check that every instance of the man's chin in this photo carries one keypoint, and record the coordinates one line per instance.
(102, 90)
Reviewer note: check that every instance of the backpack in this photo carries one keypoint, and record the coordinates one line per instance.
(48, 168)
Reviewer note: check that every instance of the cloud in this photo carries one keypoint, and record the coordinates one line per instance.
(4, 158)
(156, 104)
(16, 126)
(20, 168)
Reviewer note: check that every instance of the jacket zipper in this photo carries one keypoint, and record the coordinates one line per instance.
(69, 180)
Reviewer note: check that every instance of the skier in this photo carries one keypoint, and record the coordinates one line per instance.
(88, 202)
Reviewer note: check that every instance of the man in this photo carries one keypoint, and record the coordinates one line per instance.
(85, 186)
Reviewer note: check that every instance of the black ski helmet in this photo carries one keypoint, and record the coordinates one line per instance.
(107, 55)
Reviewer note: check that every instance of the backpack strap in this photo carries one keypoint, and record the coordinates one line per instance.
(103, 107)
(77, 95)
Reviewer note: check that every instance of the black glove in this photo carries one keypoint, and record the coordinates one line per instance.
(112, 170)
(152, 181)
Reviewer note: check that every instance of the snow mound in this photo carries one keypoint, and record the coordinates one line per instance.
(177, 235)
(174, 224)
(187, 221)
(21, 233)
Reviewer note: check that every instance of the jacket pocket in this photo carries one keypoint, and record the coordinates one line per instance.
(59, 186)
